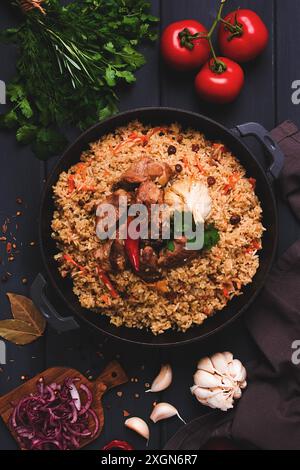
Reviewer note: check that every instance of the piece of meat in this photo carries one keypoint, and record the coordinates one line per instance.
(114, 200)
(118, 259)
(149, 193)
(149, 269)
(111, 256)
(102, 255)
(146, 168)
(178, 257)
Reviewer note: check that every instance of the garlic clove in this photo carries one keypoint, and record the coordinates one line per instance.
(221, 402)
(228, 356)
(243, 385)
(220, 363)
(237, 371)
(163, 380)
(237, 393)
(139, 426)
(164, 411)
(206, 364)
(205, 393)
(206, 380)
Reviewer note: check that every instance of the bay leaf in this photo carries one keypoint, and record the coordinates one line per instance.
(17, 331)
(24, 309)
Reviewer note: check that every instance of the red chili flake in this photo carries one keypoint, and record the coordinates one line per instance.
(126, 413)
(252, 181)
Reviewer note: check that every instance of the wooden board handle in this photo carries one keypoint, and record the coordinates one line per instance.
(112, 376)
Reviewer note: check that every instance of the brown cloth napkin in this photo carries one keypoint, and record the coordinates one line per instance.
(287, 135)
(268, 414)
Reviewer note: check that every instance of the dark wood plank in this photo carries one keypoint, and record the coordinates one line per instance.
(88, 353)
(21, 176)
(178, 91)
(112, 376)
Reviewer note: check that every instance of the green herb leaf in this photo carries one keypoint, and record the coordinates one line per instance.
(26, 134)
(127, 75)
(110, 76)
(171, 246)
(9, 120)
(211, 237)
(69, 65)
(48, 142)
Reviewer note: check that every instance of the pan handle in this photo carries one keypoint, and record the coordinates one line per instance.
(39, 298)
(273, 150)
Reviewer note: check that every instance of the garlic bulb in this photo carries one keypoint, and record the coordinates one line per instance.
(164, 411)
(163, 380)
(139, 426)
(190, 195)
(219, 381)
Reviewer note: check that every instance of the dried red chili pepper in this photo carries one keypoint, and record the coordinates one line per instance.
(107, 282)
(121, 445)
(132, 248)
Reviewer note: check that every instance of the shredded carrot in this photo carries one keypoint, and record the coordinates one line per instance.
(220, 147)
(87, 188)
(70, 260)
(160, 286)
(80, 168)
(233, 179)
(200, 168)
(254, 246)
(226, 293)
(71, 184)
(106, 299)
(134, 137)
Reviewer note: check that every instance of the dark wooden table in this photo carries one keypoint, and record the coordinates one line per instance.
(266, 98)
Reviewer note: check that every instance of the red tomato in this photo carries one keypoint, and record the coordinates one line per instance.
(220, 86)
(180, 46)
(247, 38)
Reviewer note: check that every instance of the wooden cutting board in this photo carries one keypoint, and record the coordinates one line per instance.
(111, 377)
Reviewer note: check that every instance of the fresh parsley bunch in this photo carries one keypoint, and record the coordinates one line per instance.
(70, 62)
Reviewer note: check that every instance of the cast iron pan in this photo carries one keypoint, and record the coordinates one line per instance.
(212, 130)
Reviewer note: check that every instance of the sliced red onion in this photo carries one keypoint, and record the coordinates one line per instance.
(54, 417)
(74, 394)
(87, 406)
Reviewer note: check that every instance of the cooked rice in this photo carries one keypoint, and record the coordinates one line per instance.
(202, 287)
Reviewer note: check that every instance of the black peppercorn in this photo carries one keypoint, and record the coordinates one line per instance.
(235, 220)
(172, 150)
(211, 181)
(178, 168)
